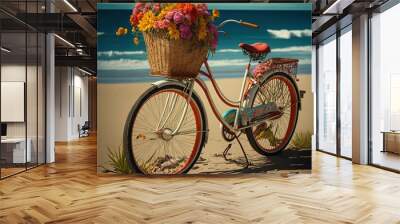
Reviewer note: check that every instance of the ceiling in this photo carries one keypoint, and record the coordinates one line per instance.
(75, 22)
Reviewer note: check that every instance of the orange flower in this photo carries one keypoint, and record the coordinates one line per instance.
(132, 20)
(188, 9)
(121, 31)
(215, 13)
(136, 40)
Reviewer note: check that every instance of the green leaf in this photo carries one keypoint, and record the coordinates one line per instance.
(301, 140)
(118, 160)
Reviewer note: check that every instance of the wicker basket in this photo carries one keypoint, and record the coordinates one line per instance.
(177, 59)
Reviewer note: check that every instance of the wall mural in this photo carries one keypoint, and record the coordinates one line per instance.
(204, 88)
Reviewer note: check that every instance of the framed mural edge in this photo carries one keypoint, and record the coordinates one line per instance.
(197, 88)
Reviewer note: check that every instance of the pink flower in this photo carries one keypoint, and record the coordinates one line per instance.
(202, 9)
(170, 15)
(139, 5)
(165, 23)
(157, 25)
(156, 7)
(185, 31)
(162, 24)
(188, 18)
(178, 17)
(138, 8)
(147, 6)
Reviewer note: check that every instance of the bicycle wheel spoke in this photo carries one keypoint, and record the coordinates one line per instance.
(186, 132)
(156, 150)
(275, 132)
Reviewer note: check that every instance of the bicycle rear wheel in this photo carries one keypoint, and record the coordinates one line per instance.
(273, 135)
(149, 141)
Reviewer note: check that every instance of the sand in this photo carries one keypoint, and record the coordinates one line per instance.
(116, 100)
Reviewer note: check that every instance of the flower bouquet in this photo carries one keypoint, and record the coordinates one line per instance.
(178, 36)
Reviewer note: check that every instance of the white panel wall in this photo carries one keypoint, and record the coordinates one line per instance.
(14, 73)
(62, 81)
(71, 102)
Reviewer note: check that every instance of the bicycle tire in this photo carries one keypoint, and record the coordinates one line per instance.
(127, 142)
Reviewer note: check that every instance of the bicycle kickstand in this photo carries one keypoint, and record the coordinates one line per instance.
(226, 151)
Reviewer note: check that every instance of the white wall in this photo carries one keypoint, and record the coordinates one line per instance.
(79, 117)
(71, 87)
(33, 127)
(16, 73)
(61, 103)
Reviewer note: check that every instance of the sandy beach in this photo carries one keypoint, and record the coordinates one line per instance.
(115, 101)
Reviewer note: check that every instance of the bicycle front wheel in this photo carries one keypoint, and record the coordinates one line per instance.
(151, 145)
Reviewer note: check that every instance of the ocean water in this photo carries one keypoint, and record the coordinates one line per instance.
(119, 61)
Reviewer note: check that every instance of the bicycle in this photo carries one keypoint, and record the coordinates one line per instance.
(167, 127)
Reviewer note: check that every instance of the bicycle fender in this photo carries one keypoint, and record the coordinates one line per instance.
(171, 82)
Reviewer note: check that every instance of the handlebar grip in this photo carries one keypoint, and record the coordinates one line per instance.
(251, 25)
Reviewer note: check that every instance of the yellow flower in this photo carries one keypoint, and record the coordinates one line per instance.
(161, 15)
(169, 6)
(202, 29)
(173, 32)
(215, 13)
(147, 22)
(165, 10)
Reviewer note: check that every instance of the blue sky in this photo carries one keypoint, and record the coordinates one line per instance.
(285, 27)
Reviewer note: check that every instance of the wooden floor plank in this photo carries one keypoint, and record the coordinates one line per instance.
(70, 191)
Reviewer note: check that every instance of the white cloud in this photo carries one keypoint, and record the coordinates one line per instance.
(119, 53)
(122, 64)
(130, 64)
(293, 49)
(100, 33)
(287, 34)
(229, 50)
(305, 61)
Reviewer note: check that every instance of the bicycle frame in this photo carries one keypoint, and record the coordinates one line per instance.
(233, 104)
(276, 65)
(189, 85)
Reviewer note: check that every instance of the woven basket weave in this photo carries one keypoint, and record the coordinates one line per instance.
(177, 59)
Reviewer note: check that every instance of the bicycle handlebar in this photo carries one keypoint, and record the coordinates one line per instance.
(251, 25)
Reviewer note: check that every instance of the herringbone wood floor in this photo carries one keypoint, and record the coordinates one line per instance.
(70, 191)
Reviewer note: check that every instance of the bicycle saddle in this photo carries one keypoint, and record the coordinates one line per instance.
(256, 51)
